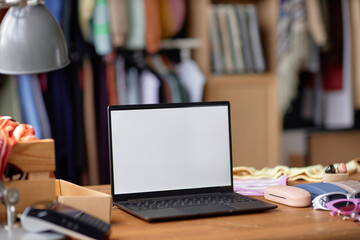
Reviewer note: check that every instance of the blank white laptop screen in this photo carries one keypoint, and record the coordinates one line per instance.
(163, 149)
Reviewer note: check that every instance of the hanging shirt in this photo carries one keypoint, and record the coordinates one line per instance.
(121, 80)
(101, 26)
(101, 105)
(136, 24)
(133, 88)
(56, 8)
(191, 78)
(90, 123)
(86, 9)
(293, 49)
(78, 134)
(170, 81)
(59, 106)
(9, 98)
(28, 104)
(338, 107)
(149, 85)
(111, 80)
(153, 27)
(118, 22)
(178, 13)
(66, 19)
(178, 92)
(168, 28)
(41, 109)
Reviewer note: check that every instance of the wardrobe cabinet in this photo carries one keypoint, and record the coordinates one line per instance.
(255, 119)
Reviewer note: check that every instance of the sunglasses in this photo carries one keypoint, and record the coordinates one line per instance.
(320, 202)
(343, 206)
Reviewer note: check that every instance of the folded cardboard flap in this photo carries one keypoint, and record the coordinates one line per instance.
(89, 201)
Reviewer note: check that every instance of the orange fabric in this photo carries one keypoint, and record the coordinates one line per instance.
(168, 28)
(153, 26)
(111, 79)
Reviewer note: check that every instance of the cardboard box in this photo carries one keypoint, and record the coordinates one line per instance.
(89, 201)
(37, 159)
(333, 147)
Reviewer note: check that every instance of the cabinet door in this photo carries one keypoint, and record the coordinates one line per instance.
(254, 120)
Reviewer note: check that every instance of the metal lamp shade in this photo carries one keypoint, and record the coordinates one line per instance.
(31, 41)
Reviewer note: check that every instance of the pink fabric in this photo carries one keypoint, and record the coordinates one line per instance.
(256, 187)
(178, 8)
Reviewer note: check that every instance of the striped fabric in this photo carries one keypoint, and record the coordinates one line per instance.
(256, 187)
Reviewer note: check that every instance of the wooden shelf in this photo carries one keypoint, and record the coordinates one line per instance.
(262, 78)
(199, 28)
(253, 97)
(254, 119)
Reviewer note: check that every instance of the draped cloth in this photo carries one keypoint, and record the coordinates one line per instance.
(293, 49)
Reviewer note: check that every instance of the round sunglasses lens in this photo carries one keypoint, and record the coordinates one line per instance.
(345, 206)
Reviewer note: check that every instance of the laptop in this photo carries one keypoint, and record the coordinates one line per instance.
(172, 161)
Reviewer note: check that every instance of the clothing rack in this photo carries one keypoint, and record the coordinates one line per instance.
(185, 45)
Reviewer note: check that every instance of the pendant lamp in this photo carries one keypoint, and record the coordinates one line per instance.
(31, 40)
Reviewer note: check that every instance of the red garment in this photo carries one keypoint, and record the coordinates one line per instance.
(332, 58)
(111, 79)
(332, 78)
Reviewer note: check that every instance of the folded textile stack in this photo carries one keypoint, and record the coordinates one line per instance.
(312, 173)
(12, 132)
(256, 187)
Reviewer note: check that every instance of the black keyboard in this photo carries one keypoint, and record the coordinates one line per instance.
(186, 201)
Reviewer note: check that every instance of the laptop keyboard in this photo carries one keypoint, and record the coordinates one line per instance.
(186, 201)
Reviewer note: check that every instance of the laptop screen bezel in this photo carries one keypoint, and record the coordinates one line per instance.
(125, 197)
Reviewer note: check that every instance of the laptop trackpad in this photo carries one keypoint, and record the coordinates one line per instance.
(206, 209)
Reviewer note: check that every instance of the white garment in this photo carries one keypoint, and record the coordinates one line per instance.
(149, 85)
(191, 78)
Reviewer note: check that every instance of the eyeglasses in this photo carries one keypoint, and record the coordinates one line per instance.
(320, 201)
(343, 206)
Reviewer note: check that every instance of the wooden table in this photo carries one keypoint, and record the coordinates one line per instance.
(281, 223)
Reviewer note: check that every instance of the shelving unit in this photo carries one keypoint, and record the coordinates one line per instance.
(255, 117)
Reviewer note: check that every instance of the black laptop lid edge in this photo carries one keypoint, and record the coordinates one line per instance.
(125, 197)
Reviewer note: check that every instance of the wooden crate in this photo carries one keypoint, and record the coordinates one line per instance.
(37, 158)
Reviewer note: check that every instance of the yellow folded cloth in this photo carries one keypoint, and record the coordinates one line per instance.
(312, 173)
